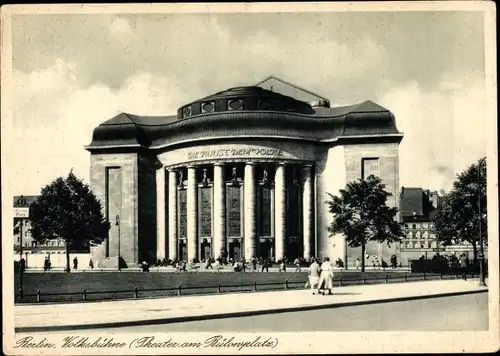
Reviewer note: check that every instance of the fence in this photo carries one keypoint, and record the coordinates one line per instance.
(185, 290)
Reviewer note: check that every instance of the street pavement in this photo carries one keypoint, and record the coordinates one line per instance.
(32, 318)
(454, 313)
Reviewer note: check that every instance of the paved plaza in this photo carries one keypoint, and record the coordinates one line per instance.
(32, 318)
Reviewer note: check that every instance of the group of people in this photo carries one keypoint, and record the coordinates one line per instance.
(378, 262)
(321, 277)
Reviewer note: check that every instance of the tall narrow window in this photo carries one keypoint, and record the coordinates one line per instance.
(113, 207)
(369, 166)
(265, 210)
(182, 213)
(233, 201)
(205, 209)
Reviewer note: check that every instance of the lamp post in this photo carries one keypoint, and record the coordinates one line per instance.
(21, 267)
(482, 281)
(119, 240)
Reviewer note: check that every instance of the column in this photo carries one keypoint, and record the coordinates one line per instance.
(219, 210)
(192, 218)
(279, 211)
(172, 215)
(250, 211)
(307, 213)
(160, 213)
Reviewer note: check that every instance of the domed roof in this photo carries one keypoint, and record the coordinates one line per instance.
(245, 98)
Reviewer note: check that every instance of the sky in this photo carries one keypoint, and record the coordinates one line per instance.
(73, 72)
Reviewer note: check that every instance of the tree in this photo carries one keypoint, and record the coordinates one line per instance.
(68, 209)
(361, 214)
(457, 218)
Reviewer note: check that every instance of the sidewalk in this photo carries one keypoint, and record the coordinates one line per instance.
(32, 318)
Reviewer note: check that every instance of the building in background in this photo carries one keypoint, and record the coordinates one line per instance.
(33, 251)
(241, 173)
(416, 207)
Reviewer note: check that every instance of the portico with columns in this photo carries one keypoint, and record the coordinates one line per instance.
(239, 174)
(236, 210)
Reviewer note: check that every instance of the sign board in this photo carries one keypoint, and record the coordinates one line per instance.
(21, 212)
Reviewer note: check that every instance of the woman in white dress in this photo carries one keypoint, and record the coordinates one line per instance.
(326, 277)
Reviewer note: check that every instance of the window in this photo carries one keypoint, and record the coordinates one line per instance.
(233, 211)
(205, 211)
(406, 226)
(414, 226)
(369, 166)
(33, 243)
(26, 234)
(265, 211)
(182, 213)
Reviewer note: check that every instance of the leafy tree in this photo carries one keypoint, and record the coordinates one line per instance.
(68, 209)
(457, 218)
(17, 226)
(361, 214)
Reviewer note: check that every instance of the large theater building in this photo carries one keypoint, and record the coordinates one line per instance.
(244, 172)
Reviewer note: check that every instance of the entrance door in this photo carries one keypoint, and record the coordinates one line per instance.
(235, 250)
(182, 251)
(206, 250)
(294, 249)
(266, 249)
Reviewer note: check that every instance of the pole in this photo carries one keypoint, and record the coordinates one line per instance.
(21, 272)
(482, 279)
(119, 242)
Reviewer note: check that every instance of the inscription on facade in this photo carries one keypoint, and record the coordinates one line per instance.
(215, 153)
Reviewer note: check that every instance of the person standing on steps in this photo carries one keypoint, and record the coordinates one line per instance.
(265, 265)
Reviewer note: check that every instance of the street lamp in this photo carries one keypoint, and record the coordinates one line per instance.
(482, 281)
(119, 240)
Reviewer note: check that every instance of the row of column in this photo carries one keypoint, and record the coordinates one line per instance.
(219, 212)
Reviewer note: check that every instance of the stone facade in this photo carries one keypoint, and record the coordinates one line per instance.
(387, 156)
(118, 198)
(279, 157)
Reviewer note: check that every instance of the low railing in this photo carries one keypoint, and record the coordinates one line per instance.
(185, 290)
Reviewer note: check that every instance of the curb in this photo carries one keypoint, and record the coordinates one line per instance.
(180, 319)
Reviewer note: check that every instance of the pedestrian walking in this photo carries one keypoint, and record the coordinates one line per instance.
(282, 266)
(243, 264)
(463, 266)
(208, 264)
(313, 274)
(75, 263)
(265, 265)
(297, 265)
(358, 263)
(254, 264)
(326, 277)
(91, 264)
